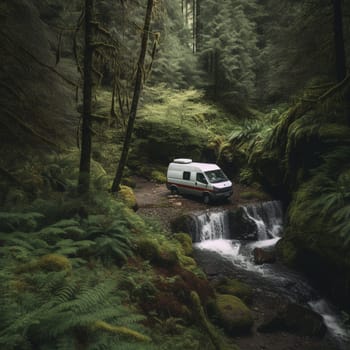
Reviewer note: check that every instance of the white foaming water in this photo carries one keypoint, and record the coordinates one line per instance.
(263, 244)
(230, 250)
(253, 215)
(213, 225)
(214, 228)
(268, 218)
(224, 247)
(332, 321)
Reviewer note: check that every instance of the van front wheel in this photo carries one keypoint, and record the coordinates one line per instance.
(174, 190)
(206, 198)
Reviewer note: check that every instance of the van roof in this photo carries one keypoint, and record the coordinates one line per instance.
(200, 166)
(205, 166)
(182, 160)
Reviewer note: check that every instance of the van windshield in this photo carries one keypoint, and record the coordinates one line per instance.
(215, 176)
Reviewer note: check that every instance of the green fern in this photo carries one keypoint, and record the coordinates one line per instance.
(27, 222)
(326, 196)
(59, 308)
(66, 223)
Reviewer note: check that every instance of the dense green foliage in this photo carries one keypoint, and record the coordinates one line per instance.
(175, 124)
(88, 278)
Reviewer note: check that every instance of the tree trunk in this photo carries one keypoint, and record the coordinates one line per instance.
(85, 154)
(339, 40)
(194, 26)
(340, 54)
(135, 99)
(198, 24)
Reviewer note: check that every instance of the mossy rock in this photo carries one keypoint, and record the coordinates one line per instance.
(293, 318)
(159, 254)
(148, 248)
(187, 262)
(236, 288)
(186, 223)
(233, 315)
(126, 194)
(54, 262)
(186, 242)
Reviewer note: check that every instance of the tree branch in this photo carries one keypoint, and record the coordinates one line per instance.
(330, 91)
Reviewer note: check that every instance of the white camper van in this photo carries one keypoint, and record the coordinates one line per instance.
(200, 179)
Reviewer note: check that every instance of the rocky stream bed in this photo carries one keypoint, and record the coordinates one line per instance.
(283, 303)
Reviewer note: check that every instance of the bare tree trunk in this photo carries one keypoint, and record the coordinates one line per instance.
(85, 154)
(194, 26)
(198, 24)
(135, 99)
(113, 116)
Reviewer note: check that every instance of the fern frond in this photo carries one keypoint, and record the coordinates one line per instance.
(66, 223)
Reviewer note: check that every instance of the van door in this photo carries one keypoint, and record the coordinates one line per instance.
(201, 183)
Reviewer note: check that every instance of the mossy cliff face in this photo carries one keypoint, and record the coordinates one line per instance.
(317, 231)
(301, 155)
(313, 244)
(37, 96)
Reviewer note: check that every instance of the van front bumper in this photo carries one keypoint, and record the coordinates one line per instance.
(221, 194)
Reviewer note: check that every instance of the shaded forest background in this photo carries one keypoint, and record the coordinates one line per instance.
(247, 53)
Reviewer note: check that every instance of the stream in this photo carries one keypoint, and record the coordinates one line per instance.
(220, 254)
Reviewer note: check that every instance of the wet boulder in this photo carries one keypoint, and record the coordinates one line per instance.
(264, 256)
(188, 224)
(233, 315)
(294, 318)
(241, 226)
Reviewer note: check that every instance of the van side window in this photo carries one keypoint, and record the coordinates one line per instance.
(200, 178)
(186, 175)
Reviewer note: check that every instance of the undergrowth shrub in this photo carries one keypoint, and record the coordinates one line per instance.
(56, 309)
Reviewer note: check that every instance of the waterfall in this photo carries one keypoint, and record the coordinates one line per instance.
(262, 221)
(212, 225)
(218, 231)
(268, 218)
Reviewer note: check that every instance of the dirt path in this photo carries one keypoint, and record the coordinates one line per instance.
(155, 200)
